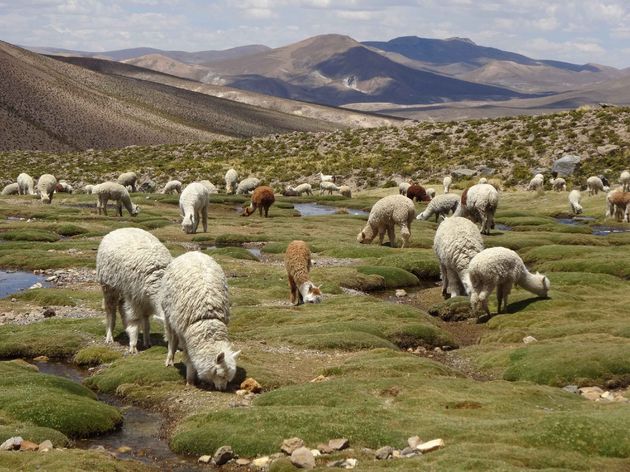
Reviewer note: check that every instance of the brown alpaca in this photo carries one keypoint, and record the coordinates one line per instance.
(297, 261)
(262, 198)
(619, 205)
(418, 193)
(464, 197)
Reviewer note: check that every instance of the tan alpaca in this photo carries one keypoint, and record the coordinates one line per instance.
(297, 261)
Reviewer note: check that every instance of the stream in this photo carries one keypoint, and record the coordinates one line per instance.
(140, 430)
(317, 209)
(597, 230)
(14, 282)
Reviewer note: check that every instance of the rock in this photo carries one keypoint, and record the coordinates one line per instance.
(591, 393)
(242, 392)
(11, 444)
(45, 446)
(35, 285)
(41, 359)
(409, 452)
(303, 458)
(49, 313)
(571, 389)
(463, 172)
(608, 396)
(319, 378)
(401, 293)
(290, 445)
(316, 452)
(413, 441)
(261, 461)
(223, 455)
(338, 444)
(485, 170)
(529, 339)
(204, 459)
(384, 452)
(566, 165)
(98, 448)
(430, 445)
(350, 463)
(28, 446)
(453, 309)
(243, 461)
(251, 385)
(607, 149)
(124, 449)
(531, 138)
(325, 448)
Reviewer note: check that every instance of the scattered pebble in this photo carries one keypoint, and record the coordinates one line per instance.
(41, 359)
(35, 285)
(49, 313)
(251, 385)
(261, 461)
(319, 378)
(571, 389)
(124, 449)
(409, 452)
(290, 445)
(303, 458)
(204, 459)
(338, 444)
(400, 293)
(529, 339)
(384, 452)
(243, 461)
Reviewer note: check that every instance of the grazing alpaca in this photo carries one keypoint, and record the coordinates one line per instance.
(501, 267)
(418, 193)
(297, 261)
(479, 204)
(384, 216)
(262, 198)
(618, 205)
(574, 201)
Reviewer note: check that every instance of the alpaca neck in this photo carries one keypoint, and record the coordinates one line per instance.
(532, 283)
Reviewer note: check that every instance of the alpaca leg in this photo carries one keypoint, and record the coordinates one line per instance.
(499, 297)
(119, 207)
(191, 373)
(391, 235)
(146, 330)
(204, 218)
(196, 222)
(110, 300)
(173, 341)
(381, 236)
(132, 332)
(260, 211)
(266, 211)
(294, 291)
(444, 275)
(104, 206)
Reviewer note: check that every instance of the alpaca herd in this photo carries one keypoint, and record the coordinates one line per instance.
(189, 294)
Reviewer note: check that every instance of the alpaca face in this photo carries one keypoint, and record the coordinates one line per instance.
(135, 209)
(221, 371)
(544, 284)
(188, 224)
(313, 294)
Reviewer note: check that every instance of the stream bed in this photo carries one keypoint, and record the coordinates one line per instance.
(14, 282)
(317, 209)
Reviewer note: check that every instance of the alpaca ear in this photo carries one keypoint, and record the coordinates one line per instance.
(220, 358)
(236, 354)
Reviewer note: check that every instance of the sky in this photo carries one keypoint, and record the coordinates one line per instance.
(578, 31)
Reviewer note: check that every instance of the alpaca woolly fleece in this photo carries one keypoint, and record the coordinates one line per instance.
(624, 179)
(559, 184)
(418, 193)
(618, 203)
(26, 184)
(128, 179)
(130, 263)
(262, 199)
(479, 204)
(247, 185)
(403, 187)
(537, 183)
(196, 306)
(386, 213)
(231, 181)
(327, 186)
(345, 191)
(457, 240)
(501, 268)
(46, 187)
(446, 182)
(212, 189)
(575, 197)
(88, 188)
(431, 192)
(13, 189)
(297, 262)
(64, 187)
(117, 192)
(172, 186)
(326, 178)
(595, 185)
(441, 205)
(304, 188)
(193, 206)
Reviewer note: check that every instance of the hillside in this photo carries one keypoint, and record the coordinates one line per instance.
(48, 105)
(513, 147)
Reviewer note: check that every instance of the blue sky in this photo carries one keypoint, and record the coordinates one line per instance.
(576, 31)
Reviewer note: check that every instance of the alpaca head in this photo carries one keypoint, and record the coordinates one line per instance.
(135, 209)
(543, 285)
(188, 224)
(311, 293)
(247, 210)
(365, 236)
(221, 370)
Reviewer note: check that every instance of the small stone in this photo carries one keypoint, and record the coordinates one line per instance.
(223, 455)
(608, 396)
(408, 452)
(303, 458)
(35, 285)
(438, 350)
(98, 448)
(591, 393)
(45, 446)
(261, 461)
(13, 300)
(251, 385)
(325, 448)
(529, 339)
(290, 445)
(430, 445)
(11, 444)
(396, 454)
(413, 441)
(243, 461)
(350, 463)
(316, 452)
(28, 446)
(319, 378)
(571, 389)
(400, 293)
(338, 444)
(41, 359)
(242, 392)
(204, 459)
(124, 449)
(607, 149)
(49, 313)
(384, 452)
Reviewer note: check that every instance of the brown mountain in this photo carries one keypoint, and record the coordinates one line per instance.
(170, 66)
(50, 105)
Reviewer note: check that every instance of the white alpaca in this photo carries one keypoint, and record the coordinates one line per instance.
(440, 206)
(595, 185)
(446, 182)
(430, 192)
(130, 263)
(483, 180)
(575, 197)
(304, 188)
(537, 183)
(212, 189)
(385, 215)
(26, 185)
(559, 184)
(117, 192)
(231, 181)
(46, 187)
(345, 191)
(624, 179)
(247, 185)
(457, 240)
(88, 188)
(193, 206)
(501, 267)
(196, 307)
(12, 189)
(172, 186)
(326, 178)
(128, 179)
(479, 204)
(64, 187)
(403, 187)
(327, 186)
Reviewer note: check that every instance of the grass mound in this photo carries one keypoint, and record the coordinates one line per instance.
(30, 235)
(96, 355)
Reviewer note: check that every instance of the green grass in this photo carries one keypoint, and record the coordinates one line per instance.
(96, 355)
(30, 235)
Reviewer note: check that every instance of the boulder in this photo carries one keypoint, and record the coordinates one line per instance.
(566, 165)
(463, 172)
(290, 445)
(384, 452)
(430, 445)
(223, 455)
(607, 149)
(45, 446)
(303, 458)
(413, 441)
(11, 444)
(338, 444)
(485, 171)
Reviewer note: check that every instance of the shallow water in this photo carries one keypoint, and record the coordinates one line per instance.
(140, 430)
(317, 209)
(606, 230)
(14, 282)
(597, 230)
